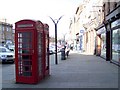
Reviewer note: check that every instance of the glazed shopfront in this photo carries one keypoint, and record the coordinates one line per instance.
(108, 42)
(115, 30)
(101, 42)
(113, 20)
(108, 38)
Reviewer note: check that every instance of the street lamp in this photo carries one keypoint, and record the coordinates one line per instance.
(55, 23)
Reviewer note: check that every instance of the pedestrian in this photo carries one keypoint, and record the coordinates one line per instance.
(67, 51)
(71, 47)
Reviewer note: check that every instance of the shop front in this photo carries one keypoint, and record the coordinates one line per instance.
(101, 42)
(115, 29)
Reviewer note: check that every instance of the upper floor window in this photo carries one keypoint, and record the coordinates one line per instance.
(108, 7)
(115, 4)
(103, 10)
(7, 29)
(3, 28)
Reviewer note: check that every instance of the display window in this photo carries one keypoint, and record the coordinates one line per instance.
(116, 45)
(103, 45)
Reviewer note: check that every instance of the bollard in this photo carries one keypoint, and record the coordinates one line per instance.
(63, 56)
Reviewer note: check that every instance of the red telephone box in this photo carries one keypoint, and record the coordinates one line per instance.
(29, 55)
(46, 48)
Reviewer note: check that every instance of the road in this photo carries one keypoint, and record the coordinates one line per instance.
(8, 72)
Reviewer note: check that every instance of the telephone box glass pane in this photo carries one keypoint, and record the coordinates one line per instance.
(25, 53)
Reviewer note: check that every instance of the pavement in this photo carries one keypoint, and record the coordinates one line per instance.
(79, 70)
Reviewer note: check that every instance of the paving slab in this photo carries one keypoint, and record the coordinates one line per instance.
(79, 70)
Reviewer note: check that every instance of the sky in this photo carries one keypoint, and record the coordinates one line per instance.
(15, 10)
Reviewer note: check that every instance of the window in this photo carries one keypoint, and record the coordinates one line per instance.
(115, 44)
(103, 10)
(3, 28)
(7, 29)
(108, 7)
(115, 4)
(103, 45)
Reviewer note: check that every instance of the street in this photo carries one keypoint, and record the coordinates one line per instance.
(77, 71)
(89, 29)
(8, 72)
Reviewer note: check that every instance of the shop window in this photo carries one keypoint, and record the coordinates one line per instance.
(103, 45)
(116, 44)
(115, 4)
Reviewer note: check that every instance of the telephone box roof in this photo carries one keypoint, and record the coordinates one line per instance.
(28, 20)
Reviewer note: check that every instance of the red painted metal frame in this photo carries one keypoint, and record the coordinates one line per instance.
(34, 27)
(40, 29)
(46, 44)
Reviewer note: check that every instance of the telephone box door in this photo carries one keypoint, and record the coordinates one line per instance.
(24, 54)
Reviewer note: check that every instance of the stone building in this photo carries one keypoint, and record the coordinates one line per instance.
(87, 17)
(6, 33)
(108, 33)
(100, 22)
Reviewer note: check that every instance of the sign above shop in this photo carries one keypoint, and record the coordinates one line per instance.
(115, 23)
(101, 30)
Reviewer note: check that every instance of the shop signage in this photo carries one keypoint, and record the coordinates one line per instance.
(101, 30)
(81, 31)
(115, 23)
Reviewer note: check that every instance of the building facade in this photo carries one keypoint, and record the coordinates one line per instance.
(72, 34)
(108, 33)
(100, 22)
(94, 16)
(88, 16)
(6, 33)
